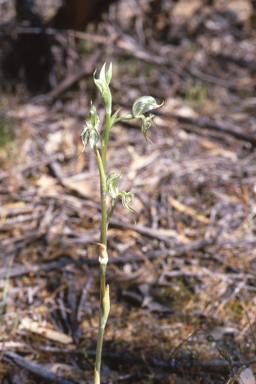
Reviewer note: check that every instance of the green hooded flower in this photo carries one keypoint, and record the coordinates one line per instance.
(112, 184)
(127, 198)
(90, 130)
(141, 106)
(112, 189)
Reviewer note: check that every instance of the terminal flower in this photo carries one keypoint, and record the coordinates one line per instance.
(102, 84)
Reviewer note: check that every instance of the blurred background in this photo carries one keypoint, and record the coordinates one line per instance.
(183, 278)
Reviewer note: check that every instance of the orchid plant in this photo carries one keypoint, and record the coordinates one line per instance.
(109, 185)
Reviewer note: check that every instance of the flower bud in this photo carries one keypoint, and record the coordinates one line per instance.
(109, 74)
(102, 85)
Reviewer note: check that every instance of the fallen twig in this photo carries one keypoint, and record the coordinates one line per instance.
(71, 79)
(36, 369)
(204, 122)
(32, 164)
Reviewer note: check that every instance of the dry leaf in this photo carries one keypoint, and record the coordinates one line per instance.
(15, 208)
(215, 150)
(27, 111)
(187, 210)
(177, 107)
(47, 185)
(50, 334)
(83, 187)
(186, 9)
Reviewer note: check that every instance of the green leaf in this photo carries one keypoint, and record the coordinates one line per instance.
(233, 379)
(114, 117)
(225, 356)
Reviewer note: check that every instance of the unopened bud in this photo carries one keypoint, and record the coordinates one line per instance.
(109, 74)
(102, 85)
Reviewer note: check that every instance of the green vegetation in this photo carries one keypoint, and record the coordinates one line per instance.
(196, 92)
(109, 185)
(7, 126)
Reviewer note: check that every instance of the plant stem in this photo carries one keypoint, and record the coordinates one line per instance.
(102, 323)
(105, 139)
(126, 117)
(104, 291)
(103, 193)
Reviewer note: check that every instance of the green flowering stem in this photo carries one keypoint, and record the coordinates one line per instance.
(125, 117)
(109, 185)
(104, 310)
(105, 139)
(110, 121)
(103, 193)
